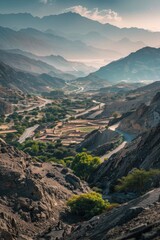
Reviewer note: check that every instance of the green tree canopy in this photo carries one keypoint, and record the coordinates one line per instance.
(84, 165)
(137, 181)
(88, 205)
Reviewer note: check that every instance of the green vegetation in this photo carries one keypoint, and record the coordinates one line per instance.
(47, 152)
(87, 129)
(55, 94)
(84, 165)
(51, 114)
(138, 181)
(88, 205)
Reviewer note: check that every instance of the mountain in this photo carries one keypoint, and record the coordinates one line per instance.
(27, 64)
(32, 194)
(27, 82)
(72, 24)
(42, 44)
(138, 66)
(77, 69)
(123, 46)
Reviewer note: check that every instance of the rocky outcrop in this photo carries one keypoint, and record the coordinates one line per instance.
(33, 195)
(99, 141)
(139, 219)
(144, 118)
(143, 152)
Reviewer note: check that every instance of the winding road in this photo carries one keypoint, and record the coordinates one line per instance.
(127, 138)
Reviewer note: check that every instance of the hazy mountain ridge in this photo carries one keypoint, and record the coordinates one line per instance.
(114, 42)
(43, 44)
(76, 68)
(138, 66)
(27, 82)
(27, 64)
(70, 22)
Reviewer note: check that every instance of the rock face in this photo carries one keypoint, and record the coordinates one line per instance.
(139, 219)
(98, 140)
(33, 195)
(143, 152)
(144, 118)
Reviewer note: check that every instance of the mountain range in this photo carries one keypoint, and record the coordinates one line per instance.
(41, 43)
(72, 36)
(26, 64)
(69, 67)
(72, 24)
(136, 67)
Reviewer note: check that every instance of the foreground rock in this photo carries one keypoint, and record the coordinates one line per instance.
(33, 195)
(137, 220)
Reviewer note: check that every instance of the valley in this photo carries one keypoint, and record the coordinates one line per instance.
(79, 120)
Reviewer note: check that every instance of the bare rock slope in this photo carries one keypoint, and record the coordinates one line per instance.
(144, 118)
(33, 195)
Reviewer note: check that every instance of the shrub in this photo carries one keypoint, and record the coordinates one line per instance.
(137, 181)
(88, 205)
(84, 165)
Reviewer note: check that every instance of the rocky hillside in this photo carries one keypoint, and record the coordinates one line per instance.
(143, 152)
(137, 66)
(136, 220)
(33, 195)
(144, 118)
(100, 141)
(130, 101)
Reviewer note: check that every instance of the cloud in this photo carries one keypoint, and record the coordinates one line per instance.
(44, 1)
(102, 16)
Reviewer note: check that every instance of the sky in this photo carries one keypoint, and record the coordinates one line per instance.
(122, 13)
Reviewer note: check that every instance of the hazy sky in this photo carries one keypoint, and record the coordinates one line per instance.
(138, 13)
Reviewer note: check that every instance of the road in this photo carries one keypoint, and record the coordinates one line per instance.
(108, 155)
(127, 138)
(45, 102)
(8, 131)
(95, 108)
(78, 90)
(29, 132)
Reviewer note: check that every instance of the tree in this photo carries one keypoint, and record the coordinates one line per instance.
(115, 114)
(84, 165)
(88, 205)
(137, 181)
